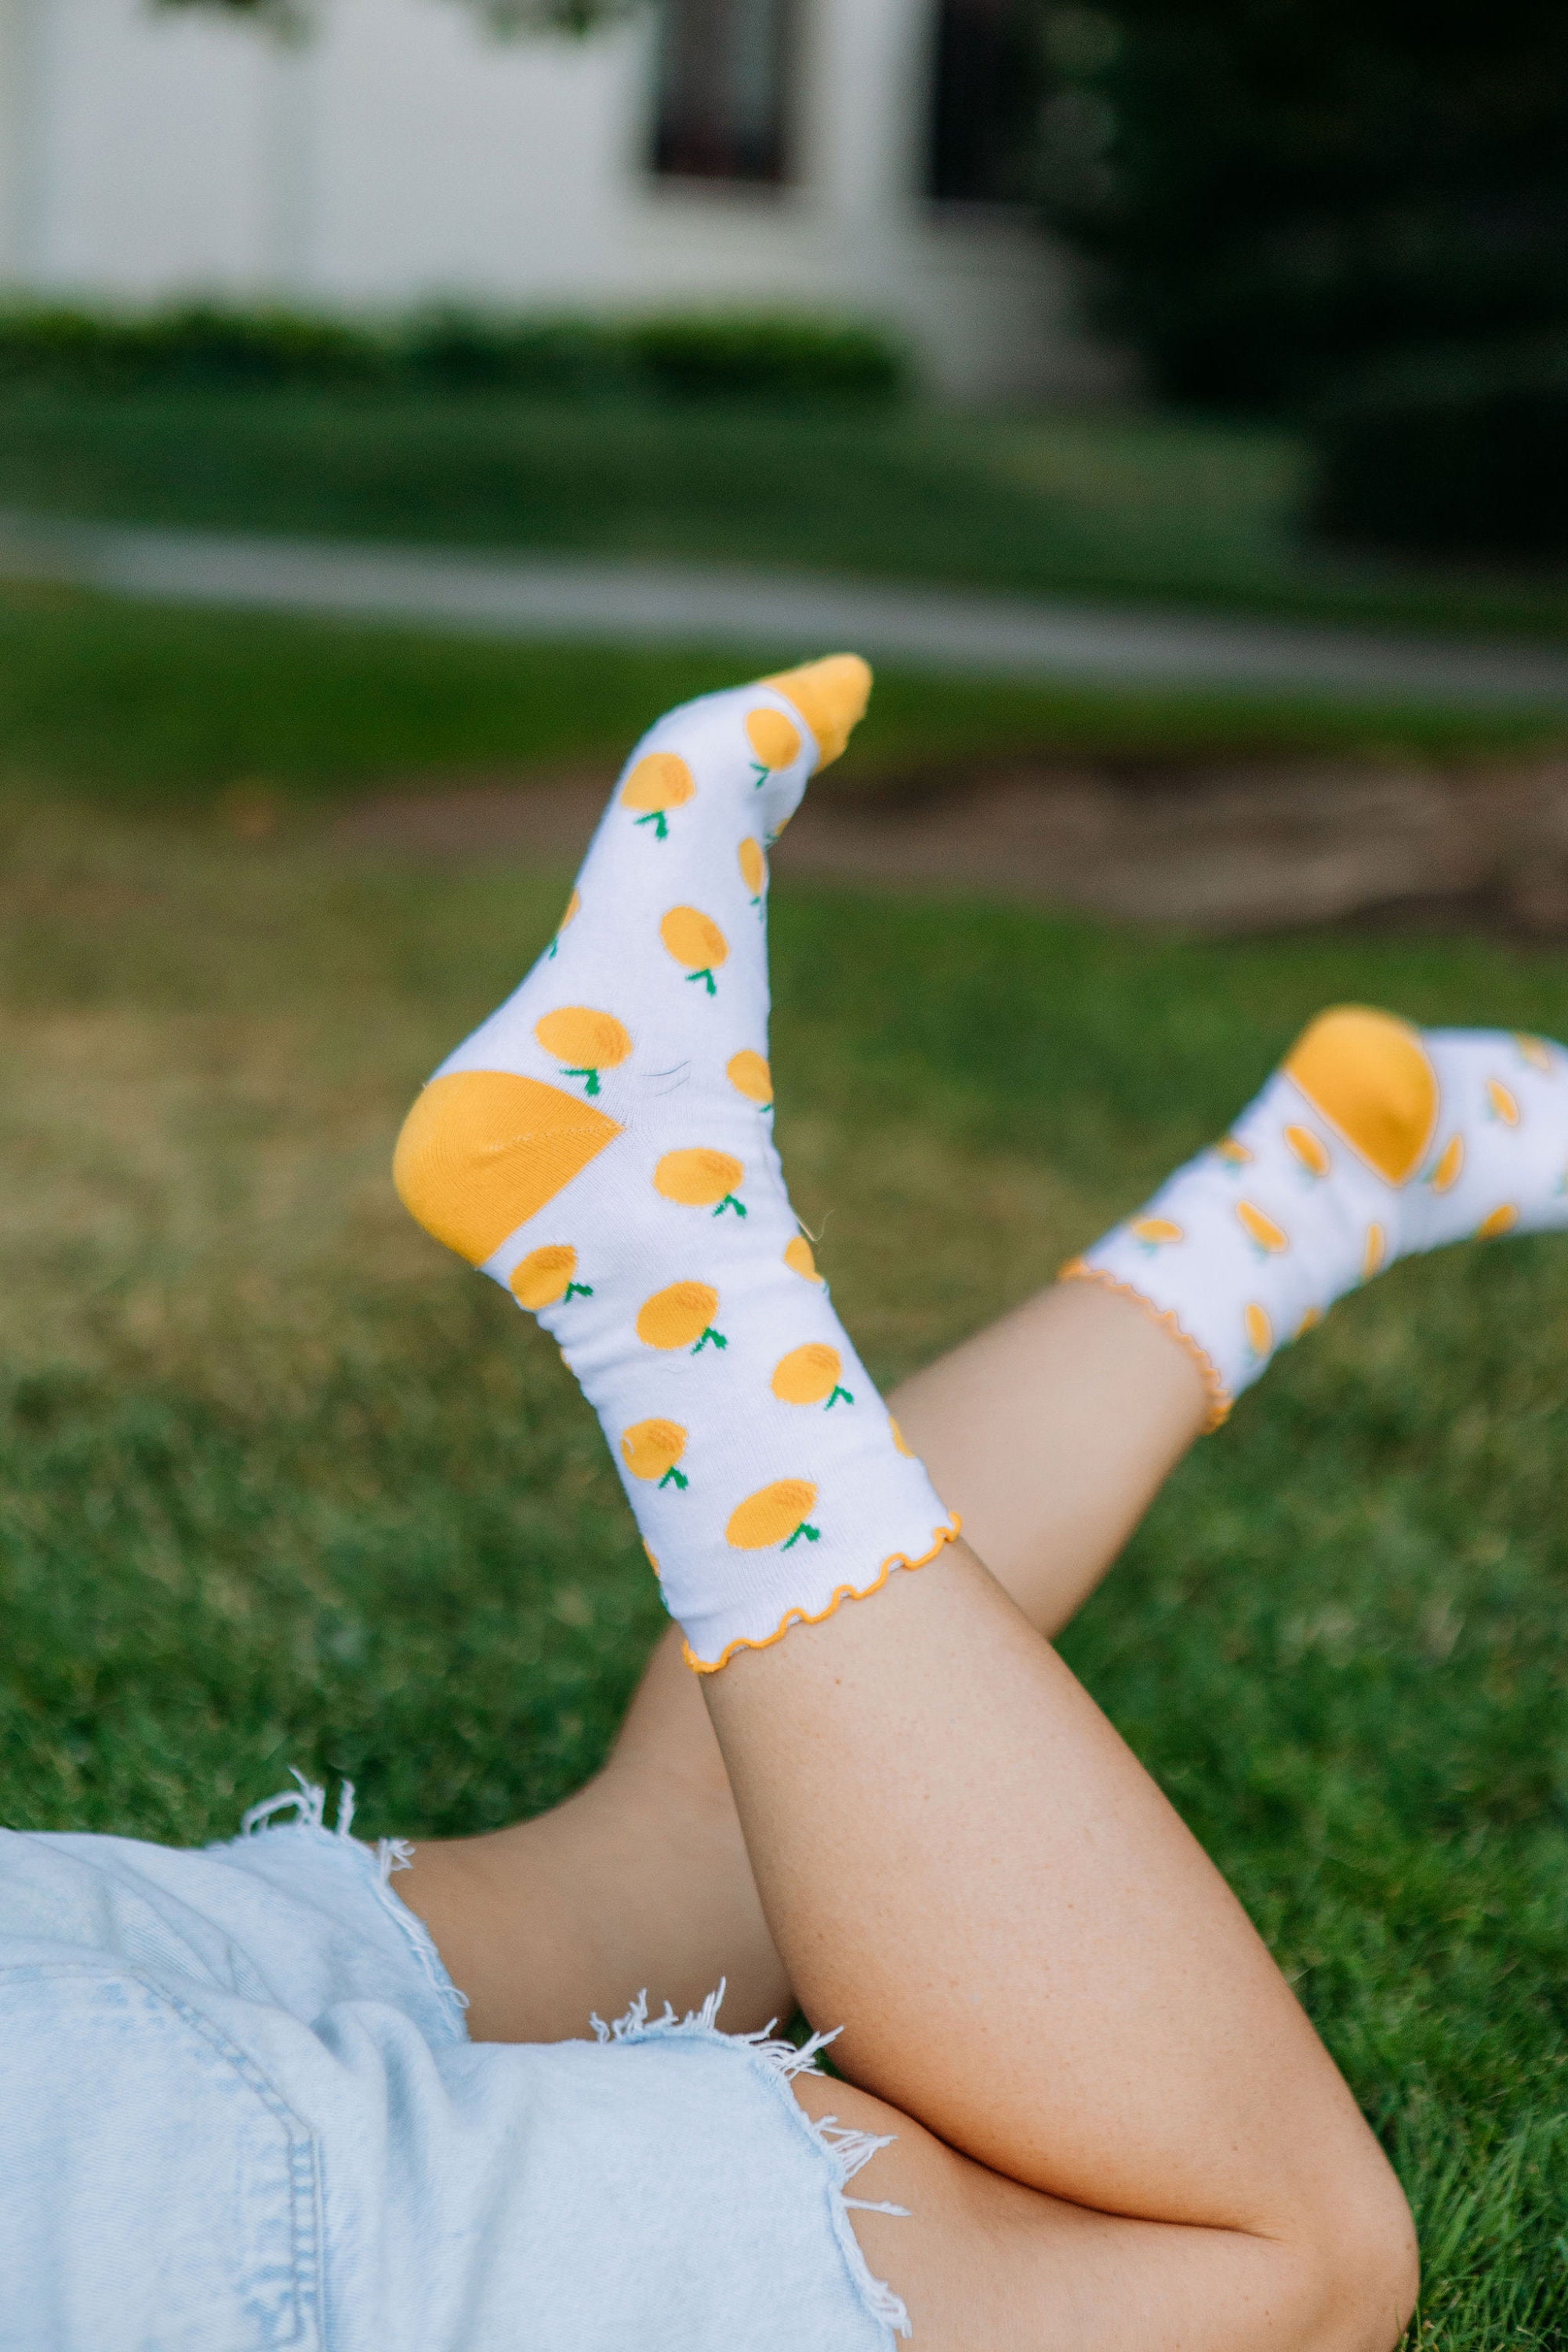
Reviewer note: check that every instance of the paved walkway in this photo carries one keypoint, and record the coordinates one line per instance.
(780, 617)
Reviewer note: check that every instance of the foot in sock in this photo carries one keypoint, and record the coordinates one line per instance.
(1372, 1141)
(603, 1147)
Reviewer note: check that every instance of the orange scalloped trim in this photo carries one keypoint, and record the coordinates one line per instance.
(1079, 1269)
(844, 1592)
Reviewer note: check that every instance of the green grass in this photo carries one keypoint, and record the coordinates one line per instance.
(142, 704)
(1128, 507)
(280, 1483)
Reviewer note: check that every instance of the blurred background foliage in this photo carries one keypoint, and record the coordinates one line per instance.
(1355, 212)
(1279, 193)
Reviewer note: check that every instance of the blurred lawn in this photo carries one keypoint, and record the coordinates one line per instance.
(1135, 506)
(280, 1483)
(148, 705)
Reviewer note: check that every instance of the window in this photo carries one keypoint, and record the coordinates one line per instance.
(724, 74)
(985, 103)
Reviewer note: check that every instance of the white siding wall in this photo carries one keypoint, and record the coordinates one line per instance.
(403, 153)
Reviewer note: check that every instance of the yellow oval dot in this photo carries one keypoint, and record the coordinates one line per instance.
(694, 939)
(652, 1556)
(1234, 1154)
(1505, 1106)
(1501, 1220)
(799, 1258)
(1262, 1228)
(676, 1316)
(580, 1038)
(573, 908)
(1535, 1051)
(749, 1076)
(696, 1179)
(899, 1440)
(662, 780)
(771, 1515)
(1260, 1330)
(1156, 1231)
(540, 1278)
(1451, 1166)
(1310, 1150)
(771, 737)
(1376, 1250)
(753, 866)
(650, 1449)
(1309, 1321)
(806, 1374)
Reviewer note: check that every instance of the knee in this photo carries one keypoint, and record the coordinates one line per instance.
(1366, 2263)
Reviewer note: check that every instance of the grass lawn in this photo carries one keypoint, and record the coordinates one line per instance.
(282, 1483)
(143, 705)
(1129, 507)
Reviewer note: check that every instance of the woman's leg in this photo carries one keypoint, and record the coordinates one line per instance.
(1134, 2136)
(1049, 1432)
(1111, 2117)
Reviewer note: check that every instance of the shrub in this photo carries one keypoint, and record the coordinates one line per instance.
(195, 344)
(1454, 453)
(1276, 192)
(772, 359)
(713, 357)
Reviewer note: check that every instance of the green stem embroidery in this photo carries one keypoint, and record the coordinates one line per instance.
(576, 1290)
(729, 1201)
(812, 1534)
(674, 1476)
(834, 1398)
(716, 1337)
(761, 772)
(592, 1076)
(707, 975)
(656, 818)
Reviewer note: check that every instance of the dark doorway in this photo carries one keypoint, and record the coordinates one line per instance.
(724, 71)
(985, 103)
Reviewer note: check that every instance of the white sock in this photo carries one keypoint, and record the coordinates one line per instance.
(603, 1147)
(1372, 1141)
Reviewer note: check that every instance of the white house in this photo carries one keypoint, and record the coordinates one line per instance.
(825, 155)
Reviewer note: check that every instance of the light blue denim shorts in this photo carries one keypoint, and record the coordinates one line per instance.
(240, 2111)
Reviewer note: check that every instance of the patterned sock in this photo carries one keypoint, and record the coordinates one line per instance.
(603, 1147)
(1371, 1141)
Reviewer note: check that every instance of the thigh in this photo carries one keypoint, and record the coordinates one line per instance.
(638, 1882)
(983, 2265)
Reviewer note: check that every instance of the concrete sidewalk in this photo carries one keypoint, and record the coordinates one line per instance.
(778, 617)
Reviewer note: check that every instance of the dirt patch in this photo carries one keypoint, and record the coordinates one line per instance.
(1221, 849)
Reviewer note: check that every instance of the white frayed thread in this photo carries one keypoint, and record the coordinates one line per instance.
(309, 1804)
(846, 2150)
(393, 1854)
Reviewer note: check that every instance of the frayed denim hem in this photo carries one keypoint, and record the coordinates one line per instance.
(846, 2151)
(843, 2150)
(380, 1862)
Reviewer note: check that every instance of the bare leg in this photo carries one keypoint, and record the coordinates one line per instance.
(1051, 1432)
(1112, 2117)
(1034, 1959)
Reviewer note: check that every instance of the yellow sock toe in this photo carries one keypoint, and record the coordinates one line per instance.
(831, 695)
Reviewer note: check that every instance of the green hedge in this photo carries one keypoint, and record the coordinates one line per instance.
(1461, 453)
(697, 357)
